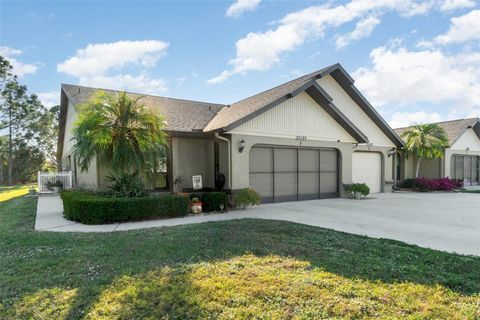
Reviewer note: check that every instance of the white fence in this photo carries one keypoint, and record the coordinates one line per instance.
(45, 178)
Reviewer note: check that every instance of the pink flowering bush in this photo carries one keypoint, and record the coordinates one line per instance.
(437, 184)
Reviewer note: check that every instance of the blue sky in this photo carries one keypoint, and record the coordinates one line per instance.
(416, 61)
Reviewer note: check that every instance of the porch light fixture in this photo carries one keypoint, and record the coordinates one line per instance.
(467, 149)
(392, 151)
(241, 146)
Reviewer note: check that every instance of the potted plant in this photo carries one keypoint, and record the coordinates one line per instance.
(55, 186)
(358, 190)
(196, 206)
(246, 197)
(178, 183)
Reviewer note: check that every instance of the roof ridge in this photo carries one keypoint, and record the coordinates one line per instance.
(143, 94)
(306, 76)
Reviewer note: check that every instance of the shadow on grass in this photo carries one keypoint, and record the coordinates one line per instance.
(249, 287)
(94, 263)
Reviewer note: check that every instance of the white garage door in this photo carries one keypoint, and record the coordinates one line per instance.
(367, 168)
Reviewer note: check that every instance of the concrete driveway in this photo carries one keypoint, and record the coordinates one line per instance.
(443, 221)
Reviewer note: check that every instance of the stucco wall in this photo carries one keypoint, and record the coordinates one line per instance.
(192, 156)
(85, 179)
(353, 112)
(468, 140)
(431, 168)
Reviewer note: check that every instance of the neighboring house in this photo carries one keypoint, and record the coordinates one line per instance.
(460, 161)
(301, 140)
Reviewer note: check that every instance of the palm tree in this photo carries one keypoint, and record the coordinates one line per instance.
(120, 132)
(425, 141)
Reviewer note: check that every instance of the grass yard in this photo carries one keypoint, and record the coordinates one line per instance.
(225, 270)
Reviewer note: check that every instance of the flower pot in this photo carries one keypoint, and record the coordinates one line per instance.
(196, 208)
(358, 195)
(56, 190)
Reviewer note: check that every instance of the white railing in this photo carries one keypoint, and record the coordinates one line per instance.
(51, 177)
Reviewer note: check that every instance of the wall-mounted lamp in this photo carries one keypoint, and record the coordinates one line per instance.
(467, 149)
(392, 151)
(241, 146)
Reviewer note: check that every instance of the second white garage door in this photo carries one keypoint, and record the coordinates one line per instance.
(367, 168)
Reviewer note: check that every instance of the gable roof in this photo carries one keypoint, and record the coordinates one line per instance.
(181, 115)
(189, 116)
(453, 128)
(240, 112)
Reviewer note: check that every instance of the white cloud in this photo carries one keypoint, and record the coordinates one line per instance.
(19, 68)
(399, 77)
(363, 29)
(261, 50)
(241, 6)
(220, 78)
(102, 57)
(462, 29)
(450, 5)
(49, 99)
(405, 119)
(103, 65)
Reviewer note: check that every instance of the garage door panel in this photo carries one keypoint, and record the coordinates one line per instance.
(261, 160)
(328, 160)
(367, 168)
(328, 182)
(263, 184)
(308, 186)
(285, 160)
(285, 186)
(308, 160)
(464, 167)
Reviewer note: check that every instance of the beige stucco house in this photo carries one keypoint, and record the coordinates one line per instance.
(460, 161)
(303, 139)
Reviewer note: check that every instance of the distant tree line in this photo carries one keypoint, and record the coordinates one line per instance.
(28, 131)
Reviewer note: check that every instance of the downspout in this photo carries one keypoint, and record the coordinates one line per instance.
(217, 136)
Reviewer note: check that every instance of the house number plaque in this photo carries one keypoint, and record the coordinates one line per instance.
(301, 138)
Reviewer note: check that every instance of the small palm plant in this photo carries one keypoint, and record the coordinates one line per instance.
(120, 131)
(426, 141)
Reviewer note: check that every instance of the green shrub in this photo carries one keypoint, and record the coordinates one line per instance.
(127, 185)
(212, 200)
(246, 197)
(408, 183)
(358, 187)
(91, 208)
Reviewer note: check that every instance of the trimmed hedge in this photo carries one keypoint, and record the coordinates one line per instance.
(91, 208)
(211, 201)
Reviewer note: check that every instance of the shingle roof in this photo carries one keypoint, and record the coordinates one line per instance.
(181, 115)
(245, 107)
(453, 128)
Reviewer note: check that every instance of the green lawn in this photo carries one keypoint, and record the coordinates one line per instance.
(225, 270)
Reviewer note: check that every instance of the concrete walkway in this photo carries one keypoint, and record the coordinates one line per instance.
(443, 221)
